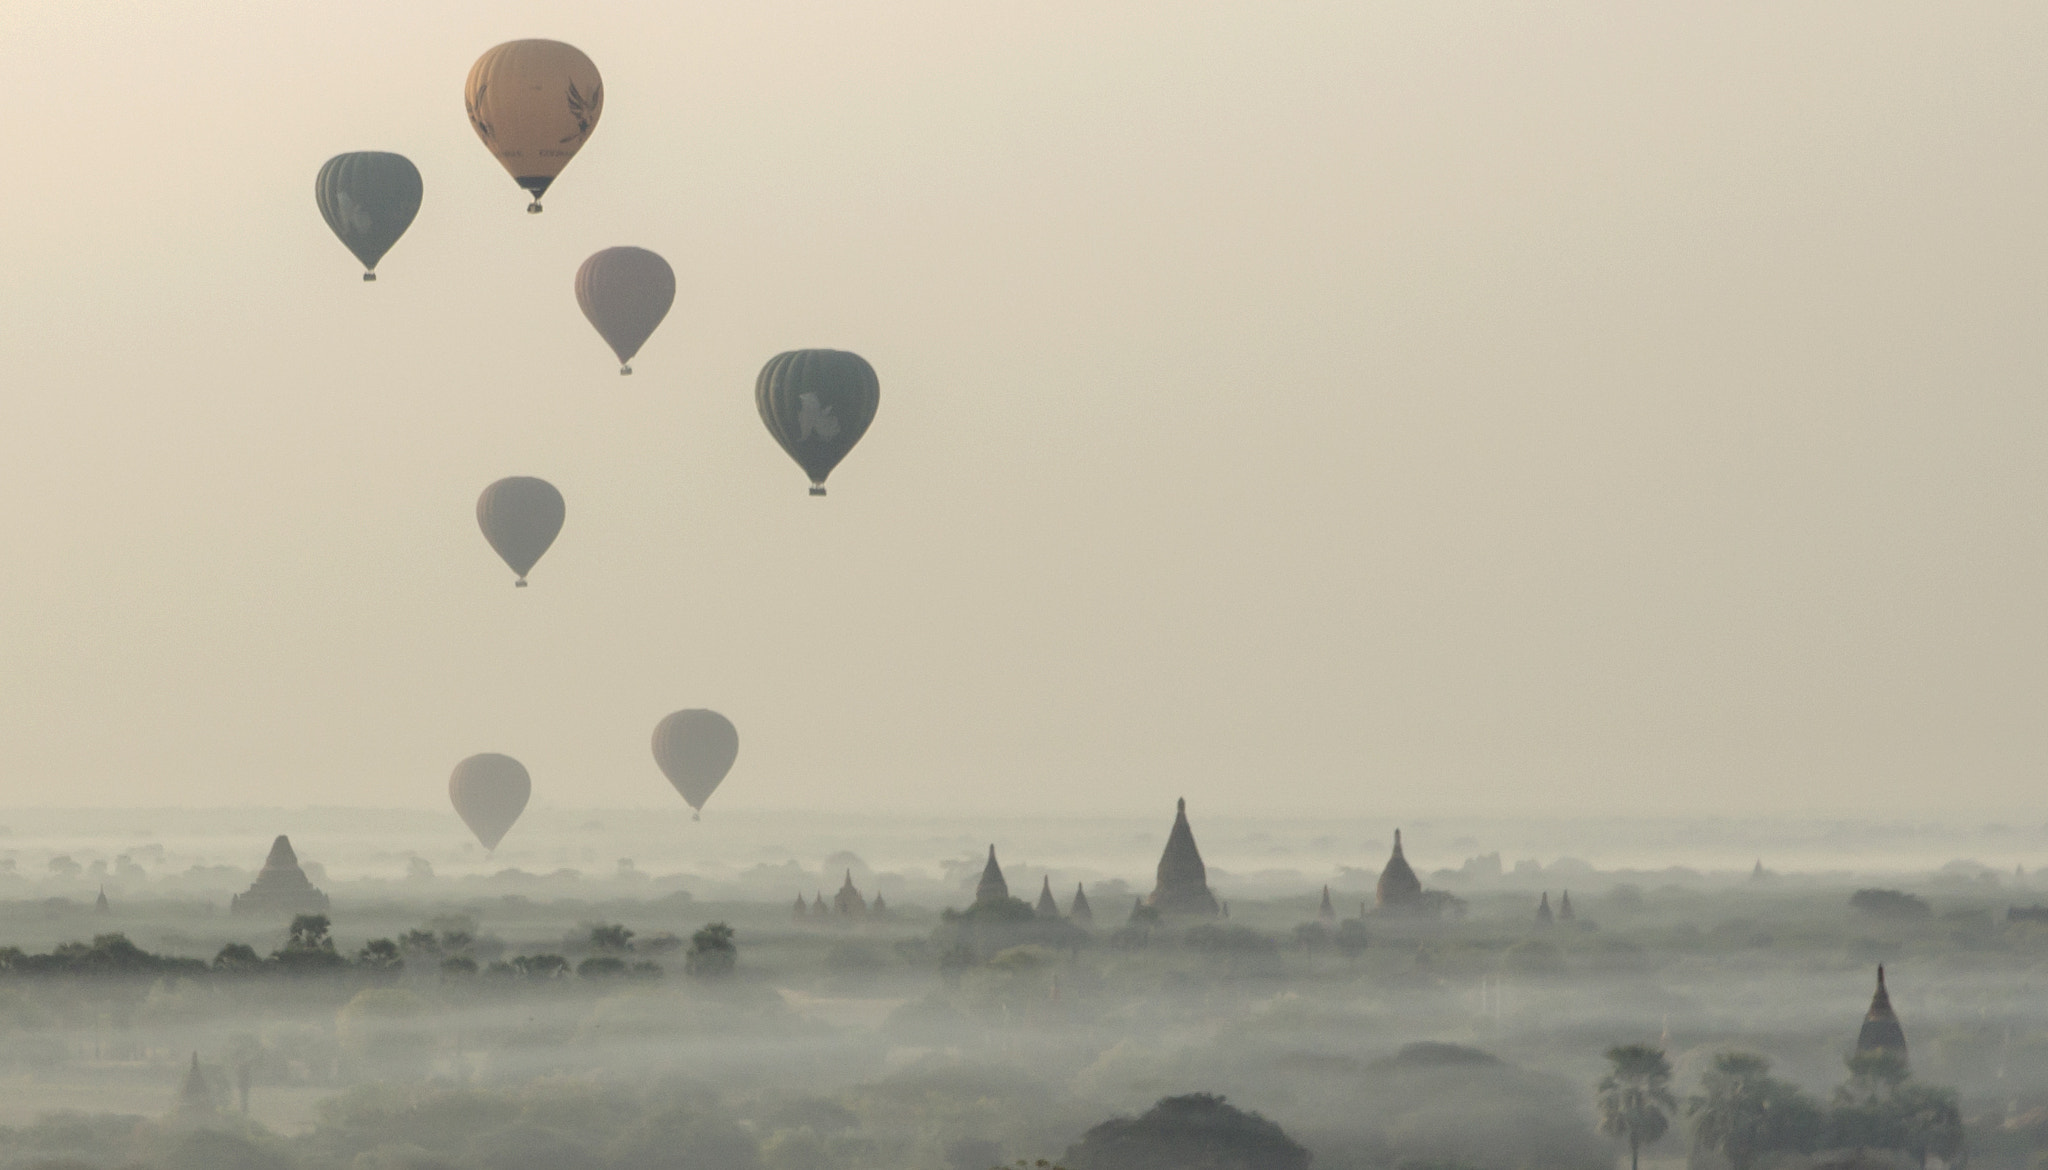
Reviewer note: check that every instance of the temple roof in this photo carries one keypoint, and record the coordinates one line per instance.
(1398, 886)
(280, 886)
(1183, 880)
(992, 888)
(195, 1096)
(1081, 911)
(1881, 1028)
(848, 900)
(1047, 908)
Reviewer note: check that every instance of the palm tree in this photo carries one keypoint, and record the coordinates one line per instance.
(1635, 1099)
(1746, 1112)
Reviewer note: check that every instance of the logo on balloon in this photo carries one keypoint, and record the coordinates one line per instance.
(814, 419)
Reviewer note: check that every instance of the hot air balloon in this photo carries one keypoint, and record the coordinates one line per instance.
(696, 749)
(369, 198)
(534, 103)
(520, 516)
(817, 403)
(625, 292)
(489, 792)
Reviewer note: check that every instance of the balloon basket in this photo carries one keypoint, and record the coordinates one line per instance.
(369, 276)
(519, 584)
(533, 208)
(624, 370)
(817, 489)
(696, 816)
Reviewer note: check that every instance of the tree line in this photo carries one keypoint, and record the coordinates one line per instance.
(309, 949)
(1744, 1112)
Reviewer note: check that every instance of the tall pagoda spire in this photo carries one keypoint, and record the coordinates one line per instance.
(1399, 888)
(1081, 912)
(1326, 911)
(195, 1096)
(1183, 880)
(992, 888)
(1881, 1030)
(1047, 908)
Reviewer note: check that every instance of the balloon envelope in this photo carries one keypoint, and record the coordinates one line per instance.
(534, 103)
(369, 198)
(695, 749)
(625, 292)
(520, 516)
(817, 403)
(489, 792)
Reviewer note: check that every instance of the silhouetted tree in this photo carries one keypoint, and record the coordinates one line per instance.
(1745, 1112)
(713, 953)
(1635, 1098)
(308, 949)
(1198, 1129)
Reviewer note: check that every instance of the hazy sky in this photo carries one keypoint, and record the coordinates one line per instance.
(1404, 406)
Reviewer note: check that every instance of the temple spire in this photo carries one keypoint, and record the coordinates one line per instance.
(992, 888)
(1399, 889)
(1081, 912)
(1881, 1030)
(1047, 908)
(1183, 880)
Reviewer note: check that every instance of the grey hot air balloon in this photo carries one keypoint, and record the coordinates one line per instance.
(520, 516)
(489, 792)
(625, 292)
(695, 749)
(817, 403)
(369, 198)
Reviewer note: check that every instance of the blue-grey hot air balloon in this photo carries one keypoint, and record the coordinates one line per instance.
(369, 198)
(817, 403)
(695, 750)
(520, 516)
(489, 792)
(625, 292)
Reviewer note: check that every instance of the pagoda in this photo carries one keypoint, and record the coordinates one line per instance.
(1564, 908)
(848, 901)
(1047, 908)
(195, 1096)
(280, 887)
(1881, 1031)
(1543, 914)
(1080, 911)
(1183, 881)
(1399, 889)
(1326, 912)
(992, 887)
(803, 909)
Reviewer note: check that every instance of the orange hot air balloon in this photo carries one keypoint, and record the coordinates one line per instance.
(489, 792)
(534, 103)
(625, 292)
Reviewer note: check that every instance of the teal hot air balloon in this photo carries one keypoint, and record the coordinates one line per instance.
(489, 791)
(520, 516)
(369, 198)
(695, 750)
(817, 403)
(625, 292)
